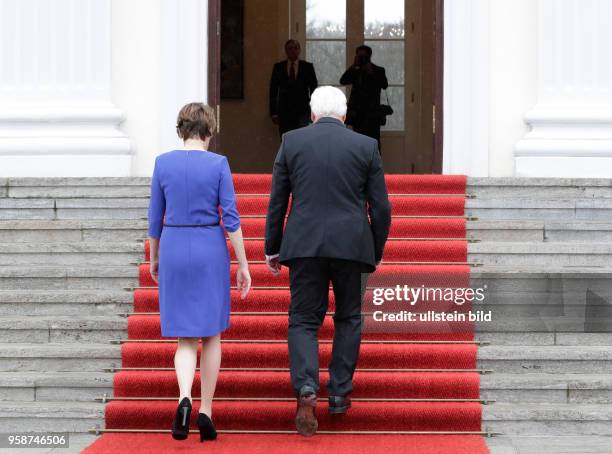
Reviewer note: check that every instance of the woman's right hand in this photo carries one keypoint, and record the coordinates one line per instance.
(243, 280)
(154, 268)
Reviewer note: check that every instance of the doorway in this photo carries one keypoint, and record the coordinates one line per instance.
(405, 37)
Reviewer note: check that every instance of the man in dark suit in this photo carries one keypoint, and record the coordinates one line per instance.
(292, 82)
(367, 81)
(335, 178)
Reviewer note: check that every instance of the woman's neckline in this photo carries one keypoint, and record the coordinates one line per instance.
(190, 149)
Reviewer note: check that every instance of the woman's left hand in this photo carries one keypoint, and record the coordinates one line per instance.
(154, 267)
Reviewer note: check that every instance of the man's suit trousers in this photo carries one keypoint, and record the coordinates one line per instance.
(309, 281)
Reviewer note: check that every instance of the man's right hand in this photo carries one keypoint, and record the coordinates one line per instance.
(274, 119)
(273, 264)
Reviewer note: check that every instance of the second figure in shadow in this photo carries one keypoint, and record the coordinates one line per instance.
(366, 80)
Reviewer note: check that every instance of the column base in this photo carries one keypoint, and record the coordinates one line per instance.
(63, 141)
(566, 141)
(563, 166)
(66, 165)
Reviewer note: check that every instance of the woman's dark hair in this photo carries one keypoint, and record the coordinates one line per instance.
(292, 41)
(196, 120)
(368, 49)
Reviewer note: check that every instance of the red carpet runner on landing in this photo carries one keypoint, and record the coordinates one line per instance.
(406, 384)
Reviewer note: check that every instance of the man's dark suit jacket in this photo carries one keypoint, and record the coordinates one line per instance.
(335, 177)
(292, 98)
(365, 93)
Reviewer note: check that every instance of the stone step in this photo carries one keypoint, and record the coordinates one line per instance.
(530, 231)
(504, 230)
(529, 388)
(28, 187)
(77, 253)
(507, 418)
(547, 388)
(115, 186)
(521, 187)
(548, 419)
(540, 208)
(112, 324)
(135, 187)
(67, 277)
(51, 302)
(489, 253)
(500, 359)
(55, 386)
(45, 231)
(56, 357)
(46, 416)
(545, 338)
(557, 444)
(558, 294)
(65, 302)
(540, 278)
(558, 359)
(60, 329)
(76, 230)
(497, 278)
(541, 324)
(543, 254)
(528, 208)
(73, 208)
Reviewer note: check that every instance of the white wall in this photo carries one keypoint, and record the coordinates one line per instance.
(490, 81)
(159, 64)
(466, 87)
(513, 78)
(72, 70)
(136, 80)
(528, 88)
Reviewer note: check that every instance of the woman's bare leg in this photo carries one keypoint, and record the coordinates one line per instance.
(210, 361)
(185, 359)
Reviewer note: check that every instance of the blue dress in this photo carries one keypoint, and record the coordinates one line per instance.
(189, 187)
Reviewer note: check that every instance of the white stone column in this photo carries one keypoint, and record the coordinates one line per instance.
(466, 87)
(571, 124)
(56, 113)
(184, 62)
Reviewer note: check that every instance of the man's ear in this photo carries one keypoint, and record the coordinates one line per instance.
(313, 117)
(343, 118)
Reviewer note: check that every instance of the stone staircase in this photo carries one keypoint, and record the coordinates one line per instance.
(543, 244)
(67, 248)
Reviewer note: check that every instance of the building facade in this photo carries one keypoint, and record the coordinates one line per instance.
(92, 87)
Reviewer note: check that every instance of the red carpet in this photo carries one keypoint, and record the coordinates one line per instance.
(407, 381)
(270, 444)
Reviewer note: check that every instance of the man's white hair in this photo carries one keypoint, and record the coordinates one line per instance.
(328, 101)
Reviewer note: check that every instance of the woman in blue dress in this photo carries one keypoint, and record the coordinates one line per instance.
(190, 260)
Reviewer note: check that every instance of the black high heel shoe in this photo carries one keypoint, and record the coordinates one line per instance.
(207, 428)
(180, 426)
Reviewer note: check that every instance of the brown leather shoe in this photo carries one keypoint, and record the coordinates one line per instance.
(305, 419)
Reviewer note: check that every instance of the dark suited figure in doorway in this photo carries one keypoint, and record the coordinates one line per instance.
(292, 82)
(335, 178)
(367, 81)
